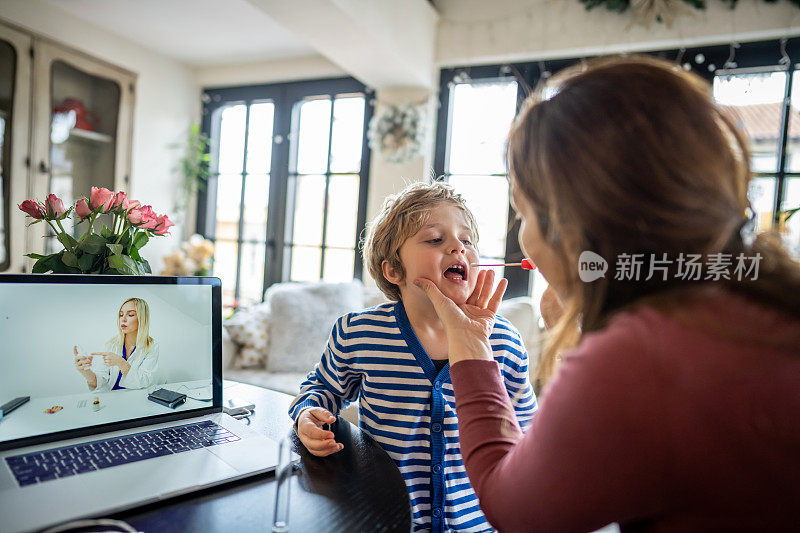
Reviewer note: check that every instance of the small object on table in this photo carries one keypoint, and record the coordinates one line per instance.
(96, 404)
(7, 407)
(238, 408)
(53, 410)
(283, 478)
(167, 398)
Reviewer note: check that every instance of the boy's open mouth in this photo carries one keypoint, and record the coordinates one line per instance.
(457, 271)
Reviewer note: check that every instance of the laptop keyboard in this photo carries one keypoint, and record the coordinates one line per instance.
(90, 456)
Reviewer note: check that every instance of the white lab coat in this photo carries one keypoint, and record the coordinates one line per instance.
(143, 372)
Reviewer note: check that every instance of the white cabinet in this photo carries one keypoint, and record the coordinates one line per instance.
(70, 131)
(15, 106)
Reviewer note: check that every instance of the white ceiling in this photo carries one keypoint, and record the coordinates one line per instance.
(195, 32)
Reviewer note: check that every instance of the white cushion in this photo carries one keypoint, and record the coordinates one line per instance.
(522, 314)
(249, 329)
(373, 296)
(301, 318)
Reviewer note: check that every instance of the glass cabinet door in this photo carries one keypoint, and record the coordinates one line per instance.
(15, 72)
(8, 68)
(81, 129)
(83, 136)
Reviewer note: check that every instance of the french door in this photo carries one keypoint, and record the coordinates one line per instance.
(286, 197)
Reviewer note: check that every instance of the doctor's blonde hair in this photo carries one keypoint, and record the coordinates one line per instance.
(143, 338)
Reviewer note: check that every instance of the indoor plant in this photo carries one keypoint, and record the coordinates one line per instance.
(113, 250)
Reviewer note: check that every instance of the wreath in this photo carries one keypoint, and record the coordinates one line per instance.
(397, 132)
(664, 11)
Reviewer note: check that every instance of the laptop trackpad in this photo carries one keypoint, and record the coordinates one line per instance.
(248, 455)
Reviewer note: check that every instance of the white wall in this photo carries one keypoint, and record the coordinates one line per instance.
(274, 71)
(476, 31)
(167, 102)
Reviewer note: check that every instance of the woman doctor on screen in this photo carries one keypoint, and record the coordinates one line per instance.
(131, 361)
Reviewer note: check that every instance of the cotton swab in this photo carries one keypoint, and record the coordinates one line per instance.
(526, 263)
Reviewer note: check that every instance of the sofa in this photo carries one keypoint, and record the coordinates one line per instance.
(276, 343)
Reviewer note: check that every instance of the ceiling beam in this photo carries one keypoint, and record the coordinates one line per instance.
(383, 43)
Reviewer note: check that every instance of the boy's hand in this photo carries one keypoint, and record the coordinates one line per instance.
(318, 441)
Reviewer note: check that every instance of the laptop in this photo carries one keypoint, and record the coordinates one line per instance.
(101, 433)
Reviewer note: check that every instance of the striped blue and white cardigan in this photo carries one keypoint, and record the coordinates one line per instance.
(374, 357)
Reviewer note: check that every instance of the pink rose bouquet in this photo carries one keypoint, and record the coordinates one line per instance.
(113, 250)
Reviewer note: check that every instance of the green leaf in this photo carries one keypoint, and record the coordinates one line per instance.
(117, 262)
(116, 249)
(55, 263)
(94, 244)
(67, 240)
(107, 233)
(37, 256)
(40, 266)
(70, 259)
(85, 262)
(140, 240)
(126, 265)
(135, 254)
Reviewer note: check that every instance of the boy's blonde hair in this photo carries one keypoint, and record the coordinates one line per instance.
(401, 217)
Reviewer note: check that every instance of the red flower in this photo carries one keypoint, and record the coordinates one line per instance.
(164, 223)
(33, 209)
(55, 207)
(135, 216)
(149, 218)
(119, 199)
(82, 208)
(101, 199)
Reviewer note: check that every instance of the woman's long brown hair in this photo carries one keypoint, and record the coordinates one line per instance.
(630, 155)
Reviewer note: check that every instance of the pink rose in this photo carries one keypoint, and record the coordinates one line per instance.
(82, 209)
(120, 199)
(101, 199)
(144, 217)
(55, 207)
(32, 209)
(149, 223)
(135, 216)
(164, 223)
(131, 204)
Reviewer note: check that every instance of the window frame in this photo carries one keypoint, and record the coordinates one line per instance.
(7, 149)
(286, 96)
(749, 55)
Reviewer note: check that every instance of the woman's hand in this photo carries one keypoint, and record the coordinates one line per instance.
(83, 364)
(112, 359)
(469, 325)
(318, 441)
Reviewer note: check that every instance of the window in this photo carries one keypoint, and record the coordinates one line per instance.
(8, 65)
(286, 198)
(761, 88)
(477, 105)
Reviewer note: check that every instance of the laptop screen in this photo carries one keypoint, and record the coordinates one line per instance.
(91, 351)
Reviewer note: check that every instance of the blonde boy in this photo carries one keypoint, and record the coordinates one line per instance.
(392, 358)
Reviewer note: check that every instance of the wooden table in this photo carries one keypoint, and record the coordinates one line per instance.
(356, 489)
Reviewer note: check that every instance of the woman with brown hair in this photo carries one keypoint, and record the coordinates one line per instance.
(676, 402)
